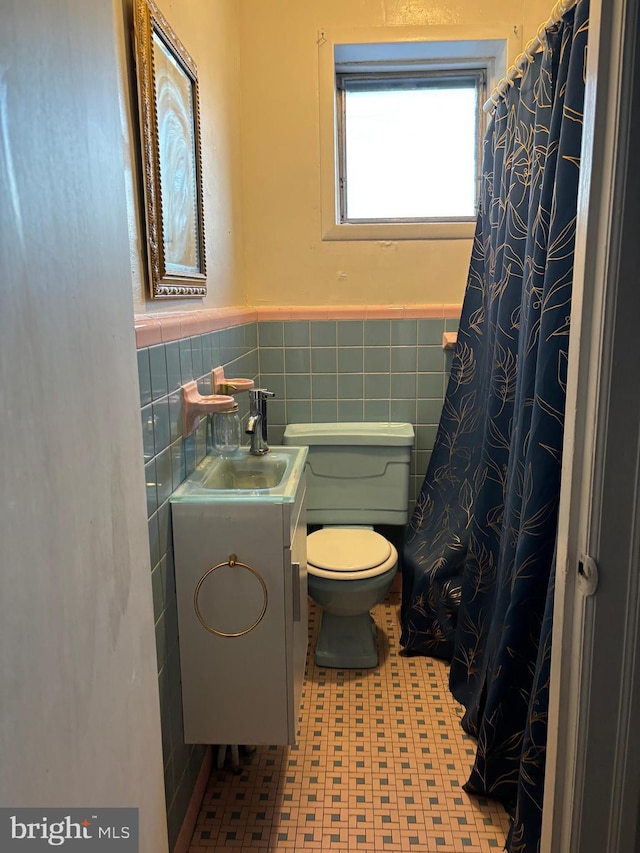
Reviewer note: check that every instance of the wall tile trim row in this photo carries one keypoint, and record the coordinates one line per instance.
(160, 328)
(154, 329)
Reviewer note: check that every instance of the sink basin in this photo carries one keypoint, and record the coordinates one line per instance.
(272, 478)
(246, 472)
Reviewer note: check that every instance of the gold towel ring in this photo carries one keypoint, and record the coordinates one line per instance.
(232, 561)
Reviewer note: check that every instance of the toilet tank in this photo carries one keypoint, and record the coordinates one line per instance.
(357, 473)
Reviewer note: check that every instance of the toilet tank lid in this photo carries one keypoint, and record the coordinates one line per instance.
(349, 433)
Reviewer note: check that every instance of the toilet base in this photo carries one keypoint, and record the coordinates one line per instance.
(346, 642)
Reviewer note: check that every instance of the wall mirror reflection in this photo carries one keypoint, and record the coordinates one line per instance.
(172, 165)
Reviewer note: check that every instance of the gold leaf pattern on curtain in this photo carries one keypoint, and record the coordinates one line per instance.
(480, 548)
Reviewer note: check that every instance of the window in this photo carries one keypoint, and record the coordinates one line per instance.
(401, 124)
(408, 145)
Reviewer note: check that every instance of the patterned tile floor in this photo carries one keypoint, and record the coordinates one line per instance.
(379, 766)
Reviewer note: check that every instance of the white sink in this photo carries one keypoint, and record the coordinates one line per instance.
(273, 477)
(246, 472)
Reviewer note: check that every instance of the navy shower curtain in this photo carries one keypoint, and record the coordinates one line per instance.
(479, 555)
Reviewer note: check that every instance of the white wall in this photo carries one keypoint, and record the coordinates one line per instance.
(79, 717)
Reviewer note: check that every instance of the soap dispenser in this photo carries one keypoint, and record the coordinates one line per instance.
(226, 431)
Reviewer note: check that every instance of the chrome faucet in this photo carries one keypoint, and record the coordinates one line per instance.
(257, 423)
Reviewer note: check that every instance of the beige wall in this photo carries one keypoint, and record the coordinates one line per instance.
(209, 29)
(286, 260)
(258, 73)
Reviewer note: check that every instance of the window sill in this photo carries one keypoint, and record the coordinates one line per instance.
(400, 231)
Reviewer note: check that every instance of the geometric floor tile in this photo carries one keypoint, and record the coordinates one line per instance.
(379, 766)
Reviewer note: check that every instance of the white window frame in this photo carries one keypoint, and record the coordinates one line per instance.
(437, 47)
(476, 75)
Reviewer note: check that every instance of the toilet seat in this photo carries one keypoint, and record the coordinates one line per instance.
(344, 553)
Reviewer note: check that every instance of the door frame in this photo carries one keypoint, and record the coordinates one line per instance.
(592, 789)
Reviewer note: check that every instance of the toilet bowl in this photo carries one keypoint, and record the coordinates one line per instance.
(350, 570)
(357, 475)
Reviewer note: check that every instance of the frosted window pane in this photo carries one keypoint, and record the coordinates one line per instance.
(411, 153)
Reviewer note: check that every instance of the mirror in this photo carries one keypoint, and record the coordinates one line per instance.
(172, 164)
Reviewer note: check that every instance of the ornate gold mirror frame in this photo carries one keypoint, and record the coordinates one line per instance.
(170, 133)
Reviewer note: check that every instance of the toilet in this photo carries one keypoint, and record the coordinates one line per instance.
(357, 476)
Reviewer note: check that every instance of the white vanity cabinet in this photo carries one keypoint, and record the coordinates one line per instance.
(241, 581)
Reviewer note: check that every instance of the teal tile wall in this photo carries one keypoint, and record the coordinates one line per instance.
(350, 370)
(169, 458)
(357, 370)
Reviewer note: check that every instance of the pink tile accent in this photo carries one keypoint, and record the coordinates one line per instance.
(309, 312)
(384, 312)
(273, 313)
(239, 315)
(449, 340)
(189, 324)
(347, 312)
(423, 312)
(203, 321)
(452, 310)
(214, 321)
(158, 328)
(321, 312)
(171, 327)
(148, 331)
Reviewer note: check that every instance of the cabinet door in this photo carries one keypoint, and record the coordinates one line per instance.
(235, 687)
(295, 560)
